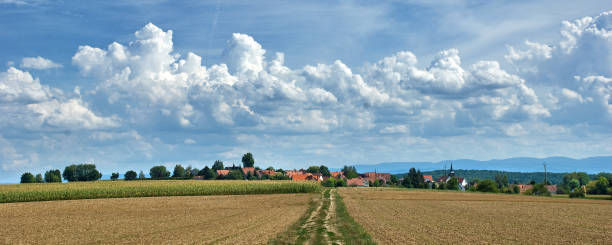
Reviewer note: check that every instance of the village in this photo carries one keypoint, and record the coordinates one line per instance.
(366, 179)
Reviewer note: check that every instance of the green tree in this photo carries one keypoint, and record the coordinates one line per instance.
(158, 172)
(487, 185)
(324, 171)
(414, 179)
(179, 171)
(114, 176)
(53, 176)
(208, 173)
(270, 168)
(350, 172)
(313, 170)
(394, 180)
(247, 160)
(501, 181)
(39, 178)
(81, 172)
(27, 177)
(130, 175)
(601, 186)
(141, 175)
(218, 165)
(235, 175)
(573, 184)
(452, 184)
(188, 172)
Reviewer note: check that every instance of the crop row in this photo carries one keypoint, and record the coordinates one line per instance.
(118, 189)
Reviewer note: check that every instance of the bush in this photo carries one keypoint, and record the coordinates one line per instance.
(577, 193)
(329, 182)
(81, 172)
(516, 189)
(538, 190)
(130, 175)
(487, 186)
(27, 177)
(159, 172)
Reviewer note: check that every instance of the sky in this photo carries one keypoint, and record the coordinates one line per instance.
(130, 85)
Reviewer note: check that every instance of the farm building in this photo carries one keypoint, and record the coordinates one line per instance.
(551, 188)
(373, 176)
(359, 182)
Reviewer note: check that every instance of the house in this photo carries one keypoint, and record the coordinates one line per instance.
(222, 172)
(461, 181)
(248, 170)
(290, 173)
(307, 176)
(373, 176)
(267, 172)
(337, 175)
(428, 178)
(198, 177)
(360, 182)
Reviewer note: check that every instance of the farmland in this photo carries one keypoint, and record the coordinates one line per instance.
(150, 188)
(230, 219)
(395, 216)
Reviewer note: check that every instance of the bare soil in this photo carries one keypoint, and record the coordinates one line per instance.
(400, 216)
(243, 219)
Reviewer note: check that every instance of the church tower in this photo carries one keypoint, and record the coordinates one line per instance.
(452, 172)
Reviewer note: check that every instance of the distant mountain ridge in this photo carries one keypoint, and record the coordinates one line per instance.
(590, 165)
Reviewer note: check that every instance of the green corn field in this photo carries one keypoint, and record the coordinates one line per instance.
(148, 188)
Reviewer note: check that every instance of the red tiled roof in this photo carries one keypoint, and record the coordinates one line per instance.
(336, 174)
(223, 172)
(307, 176)
(428, 178)
(372, 176)
(247, 170)
(268, 172)
(355, 182)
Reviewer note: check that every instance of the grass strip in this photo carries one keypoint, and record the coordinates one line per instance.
(297, 233)
(148, 188)
(350, 231)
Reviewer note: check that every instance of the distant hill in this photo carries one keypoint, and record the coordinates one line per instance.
(513, 177)
(590, 165)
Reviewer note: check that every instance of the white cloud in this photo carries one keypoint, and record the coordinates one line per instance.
(395, 129)
(38, 63)
(24, 102)
(72, 114)
(189, 141)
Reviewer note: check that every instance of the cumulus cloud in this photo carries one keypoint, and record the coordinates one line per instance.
(25, 102)
(38, 63)
(548, 89)
(252, 91)
(577, 69)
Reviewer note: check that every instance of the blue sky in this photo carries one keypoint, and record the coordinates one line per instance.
(129, 85)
